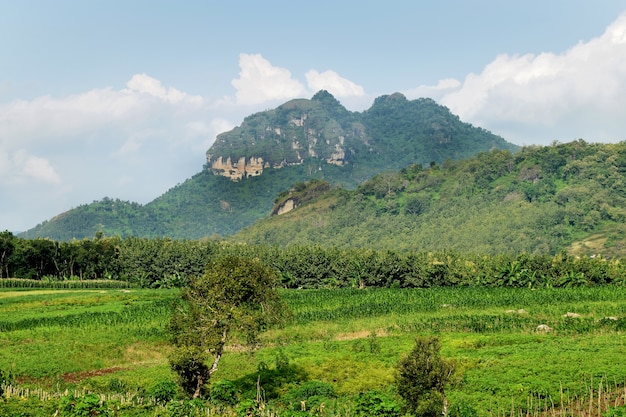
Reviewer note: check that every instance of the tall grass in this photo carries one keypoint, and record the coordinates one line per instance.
(65, 284)
(506, 366)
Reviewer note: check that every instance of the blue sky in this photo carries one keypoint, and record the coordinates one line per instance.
(123, 98)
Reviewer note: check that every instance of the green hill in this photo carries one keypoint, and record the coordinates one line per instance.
(538, 200)
(270, 151)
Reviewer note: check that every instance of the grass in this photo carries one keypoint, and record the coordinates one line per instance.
(115, 341)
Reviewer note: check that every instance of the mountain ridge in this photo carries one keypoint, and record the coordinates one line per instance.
(302, 139)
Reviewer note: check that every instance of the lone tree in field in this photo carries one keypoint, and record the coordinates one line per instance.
(235, 296)
(421, 378)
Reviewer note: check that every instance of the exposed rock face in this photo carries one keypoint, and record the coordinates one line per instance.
(318, 128)
(286, 207)
(238, 170)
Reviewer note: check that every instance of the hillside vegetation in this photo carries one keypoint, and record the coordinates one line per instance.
(540, 200)
(298, 141)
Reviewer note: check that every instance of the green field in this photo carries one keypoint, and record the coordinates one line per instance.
(114, 342)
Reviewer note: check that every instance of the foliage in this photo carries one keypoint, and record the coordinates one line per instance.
(299, 136)
(504, 363)
(462, 409)
(235, 295)
(89, 405)
(163, 392)
(374, 403)
(224, 392)
(309, 395)
(422, 376)
(167, 263)
(540, 200)
(186, 408)
(615, 412)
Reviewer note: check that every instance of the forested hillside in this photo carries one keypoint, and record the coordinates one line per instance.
(540, 200)
(301, 140)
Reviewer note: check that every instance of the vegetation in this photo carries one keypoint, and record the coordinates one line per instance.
(301, 136)
(338, 355)
(540, 200)
(234, 295)
(166, 263)
(487, 286)
(422, 377)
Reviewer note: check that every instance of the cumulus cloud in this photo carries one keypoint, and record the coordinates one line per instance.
(19, 167)
(539, 98)
(333, 83)
(132, 143)
(259, 81)
(38, 168)
(143, 83)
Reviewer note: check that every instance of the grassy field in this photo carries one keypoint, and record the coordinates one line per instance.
(114, 342)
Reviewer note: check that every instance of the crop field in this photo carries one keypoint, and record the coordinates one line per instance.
(516, 351)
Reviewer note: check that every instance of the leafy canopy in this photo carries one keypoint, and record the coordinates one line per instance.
(235, 296)
(422, 376)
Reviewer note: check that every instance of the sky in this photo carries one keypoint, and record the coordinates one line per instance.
(122, 99)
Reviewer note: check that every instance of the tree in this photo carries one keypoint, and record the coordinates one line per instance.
(422, 376)
(7, 246)
(235, 296)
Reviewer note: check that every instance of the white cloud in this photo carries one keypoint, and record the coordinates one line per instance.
(333, 83)
(131, 143)
(539, 98)
(19, 167)
(40, 169)
(259, 81)
(143, 83)
(434, 91)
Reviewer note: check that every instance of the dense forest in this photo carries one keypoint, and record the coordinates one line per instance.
(166, 263)
(540, 200)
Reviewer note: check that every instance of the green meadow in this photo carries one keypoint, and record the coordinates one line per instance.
(516, 351)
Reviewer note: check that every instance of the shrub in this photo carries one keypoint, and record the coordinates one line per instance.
(186, 408)
(374, 403)
(224, 392)
(421, 378)
(462, 410)
(615, 412)
(163, 392)
(87, 406)
(309, 395)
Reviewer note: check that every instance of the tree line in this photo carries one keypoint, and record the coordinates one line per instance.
(164, 262)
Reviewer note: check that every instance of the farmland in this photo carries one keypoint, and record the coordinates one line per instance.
(114, 343)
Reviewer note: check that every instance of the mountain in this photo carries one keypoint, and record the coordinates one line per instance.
(270, 151)
(541, 200)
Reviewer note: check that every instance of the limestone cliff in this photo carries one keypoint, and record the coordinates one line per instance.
(318, 128)
(242, 168)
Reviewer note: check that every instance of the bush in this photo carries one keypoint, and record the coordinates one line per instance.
(421, 378)
(309, 395)
(87, 406)
(374, 403)
(224, 392)
(186, 408)
(163, 392)
(27, 407)
(615, 412)
(462, 410)
(189, 363)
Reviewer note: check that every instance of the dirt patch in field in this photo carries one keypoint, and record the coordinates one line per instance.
(360, 335)
(75, 377)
